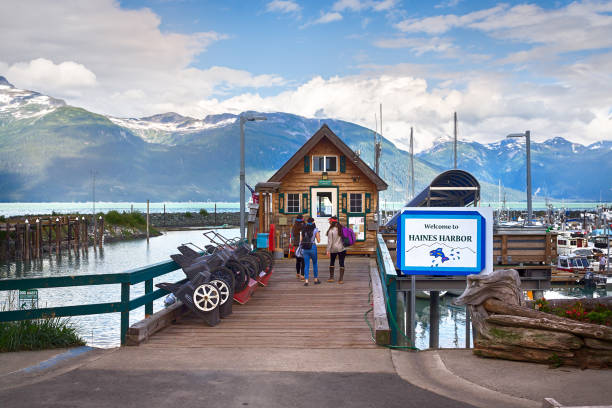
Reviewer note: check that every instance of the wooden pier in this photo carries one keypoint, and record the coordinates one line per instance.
(287, 314)
(31, 238)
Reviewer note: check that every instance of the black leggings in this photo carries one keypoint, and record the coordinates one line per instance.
(299, 265)
(341, 256)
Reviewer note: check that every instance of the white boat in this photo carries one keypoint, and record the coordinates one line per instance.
(568, 242)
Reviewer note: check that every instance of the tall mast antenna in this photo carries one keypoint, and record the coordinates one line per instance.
(455, 144)
(411, 163)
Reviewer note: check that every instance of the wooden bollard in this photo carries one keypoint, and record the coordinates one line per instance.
(26, 227)
(101, 229)
(58, 235)
(38, 235)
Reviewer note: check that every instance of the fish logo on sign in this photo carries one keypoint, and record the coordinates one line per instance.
(438, 253)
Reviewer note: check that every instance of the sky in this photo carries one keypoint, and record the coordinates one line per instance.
(504, 67)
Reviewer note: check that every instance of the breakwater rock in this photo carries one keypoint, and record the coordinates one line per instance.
(161, 220)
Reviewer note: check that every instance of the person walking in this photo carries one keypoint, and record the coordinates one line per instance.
(335, 248)
(308, 244)
(294, 238)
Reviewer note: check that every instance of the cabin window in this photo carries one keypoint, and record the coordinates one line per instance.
(573, 243)
(293, 203)
(324, 163)
(355, 202)
(562, 242)
(563, 263)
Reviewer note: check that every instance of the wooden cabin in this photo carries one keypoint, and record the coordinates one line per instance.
(323, 178)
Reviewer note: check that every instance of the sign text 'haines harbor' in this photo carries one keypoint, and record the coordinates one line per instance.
(445, 241)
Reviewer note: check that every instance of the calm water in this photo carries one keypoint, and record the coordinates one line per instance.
(452, 318)
(12, 209)
(103, 330)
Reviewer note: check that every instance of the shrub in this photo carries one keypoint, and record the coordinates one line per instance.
(188, 214)
(203, 212)
(38, 334)
(131, 219)
(2, 218)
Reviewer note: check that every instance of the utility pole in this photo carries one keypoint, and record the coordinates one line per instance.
(455, 143)
(377, 153)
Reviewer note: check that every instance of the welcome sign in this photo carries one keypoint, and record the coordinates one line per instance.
(445, 241)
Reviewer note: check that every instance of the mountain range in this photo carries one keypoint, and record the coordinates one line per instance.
(49, 151)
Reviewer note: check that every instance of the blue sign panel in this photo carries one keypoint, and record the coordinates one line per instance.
(441, 242)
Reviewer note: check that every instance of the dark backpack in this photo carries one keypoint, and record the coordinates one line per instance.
(348, 237)
(307, 236)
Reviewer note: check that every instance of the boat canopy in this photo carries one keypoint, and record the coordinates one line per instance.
(453, 188)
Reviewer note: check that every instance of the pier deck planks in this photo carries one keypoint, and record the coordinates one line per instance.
(287, 314)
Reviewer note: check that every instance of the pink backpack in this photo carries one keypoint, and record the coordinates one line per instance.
(348, 236)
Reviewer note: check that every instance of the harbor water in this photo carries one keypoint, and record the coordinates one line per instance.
(103, 330)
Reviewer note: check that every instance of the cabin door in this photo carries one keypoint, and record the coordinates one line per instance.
(324, 205)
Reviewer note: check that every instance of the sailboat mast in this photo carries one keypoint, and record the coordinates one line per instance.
(455, 142)
(411, 163)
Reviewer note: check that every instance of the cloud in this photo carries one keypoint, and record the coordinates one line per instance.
(447, 4)
(66, 47)
(67, 76)
(359, 5)
(418, 45)
(283, 6)
(443, 23)
(325, 18)
(489, 105)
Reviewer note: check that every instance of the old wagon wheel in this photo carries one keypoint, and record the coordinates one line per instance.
(206, 297)
(222, 288)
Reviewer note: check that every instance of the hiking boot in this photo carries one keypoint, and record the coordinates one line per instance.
(331, 274)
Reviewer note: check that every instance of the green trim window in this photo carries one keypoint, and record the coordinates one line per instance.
(293, 203)
(356, 203)
(281, 203)
(357, 222)
(324, 163)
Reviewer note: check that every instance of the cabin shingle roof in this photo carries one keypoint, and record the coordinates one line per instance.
(326, 132)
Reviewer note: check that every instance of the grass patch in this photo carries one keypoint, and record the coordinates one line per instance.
(126, 219)
(38, 334)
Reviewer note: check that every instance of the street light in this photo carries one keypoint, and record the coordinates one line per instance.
(244, 119)
(527, 136)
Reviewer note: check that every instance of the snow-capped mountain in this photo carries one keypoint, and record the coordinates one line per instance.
(559, 167)
(21, 104)
(47, 149)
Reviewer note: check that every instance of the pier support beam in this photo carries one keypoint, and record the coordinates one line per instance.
(434, 319)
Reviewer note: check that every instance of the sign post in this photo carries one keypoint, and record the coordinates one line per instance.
(443, 241)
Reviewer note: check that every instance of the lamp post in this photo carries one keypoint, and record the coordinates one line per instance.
(244, 119)
(527, 136)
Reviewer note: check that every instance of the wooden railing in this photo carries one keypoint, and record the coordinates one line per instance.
(125, 279)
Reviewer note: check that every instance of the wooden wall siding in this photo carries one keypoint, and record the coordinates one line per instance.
(297, 181)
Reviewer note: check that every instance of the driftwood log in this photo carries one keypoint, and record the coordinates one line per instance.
(588, 304)
(506, 328)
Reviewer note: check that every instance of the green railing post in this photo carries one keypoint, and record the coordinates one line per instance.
(392, 291)
(125, 311)
(148, 289)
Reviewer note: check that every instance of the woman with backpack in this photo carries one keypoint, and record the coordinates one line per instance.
(308, 245)
(335, 248)
(295, 242)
